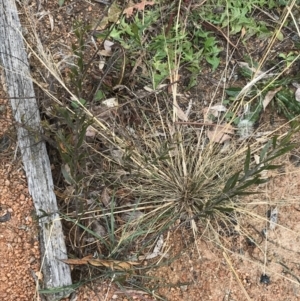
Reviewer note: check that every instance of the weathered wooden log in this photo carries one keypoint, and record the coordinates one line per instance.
(19, 86)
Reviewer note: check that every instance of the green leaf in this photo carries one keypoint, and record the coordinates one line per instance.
(271, 167)
(233, 91)
(61, 2)
(99, 95)
(280, 36)
(44, 214)
(214, 61)
(66, 116)
(75, 104)
(231, 182)
(67, 176)
(224, 209)
(82, 129)
(281, 152)
(247, 192)
(251, 182)
(274, 141)
(247, 160)
(264, 151)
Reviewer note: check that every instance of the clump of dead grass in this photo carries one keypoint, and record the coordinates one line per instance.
(159, 171)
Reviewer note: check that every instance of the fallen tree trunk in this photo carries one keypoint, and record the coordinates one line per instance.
(13, 59)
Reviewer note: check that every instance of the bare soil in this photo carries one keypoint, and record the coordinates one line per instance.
(214, 267)
(19, 244)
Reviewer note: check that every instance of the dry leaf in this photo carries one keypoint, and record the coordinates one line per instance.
(264, 173)
(117, 155)
(51, 21)
(218, 108)
(148, 89)
(107, 45)
(113, 16)
(104, 52)
(218, 137)
(226, 147)
(171, 128)
(90, 132)
(181, 115)
(78, 261)
(39, 275)
(112, 264)
(158, 88)
(130, 216)
(207, 116)
(138, 6)
(107, 109)
(156, 251)
(214, 111)
(101, 64)
(243, 32)
(98, 229)
(220, 134)
(269, 96)
(107, 48)
(105, 197)
(110, 102)
(273, 218)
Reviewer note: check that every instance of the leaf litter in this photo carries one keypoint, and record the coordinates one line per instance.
(269, 96)
(220, 133)
(129, 11)
(273, 218)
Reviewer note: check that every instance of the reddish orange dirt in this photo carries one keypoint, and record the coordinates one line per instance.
(19, 244)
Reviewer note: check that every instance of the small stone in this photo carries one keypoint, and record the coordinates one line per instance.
(183, 288)
(2, 108)
(32, 259)
(265, 279)
(295, 160)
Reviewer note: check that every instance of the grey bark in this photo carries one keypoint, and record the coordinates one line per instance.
(13, 59)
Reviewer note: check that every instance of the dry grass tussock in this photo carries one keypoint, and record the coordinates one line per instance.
(159, 171)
